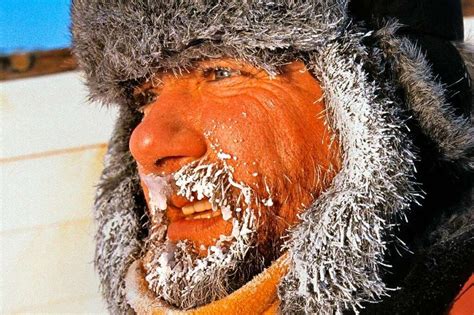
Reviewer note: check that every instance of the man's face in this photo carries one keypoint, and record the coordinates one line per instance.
(224, 149)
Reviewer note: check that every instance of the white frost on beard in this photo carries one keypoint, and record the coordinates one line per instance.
(226, 213)
(212, 182)
(182, 278)
(175, 272)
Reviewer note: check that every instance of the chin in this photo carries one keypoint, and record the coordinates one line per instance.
(177, 272)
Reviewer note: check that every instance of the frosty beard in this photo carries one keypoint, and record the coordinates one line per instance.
(175, 272)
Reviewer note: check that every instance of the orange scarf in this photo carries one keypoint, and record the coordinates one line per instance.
(258, 296)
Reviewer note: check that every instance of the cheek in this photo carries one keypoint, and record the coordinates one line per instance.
(268, 124)
(271, 138)
(245, 130)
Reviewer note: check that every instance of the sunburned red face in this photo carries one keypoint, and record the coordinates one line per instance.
(227, 157)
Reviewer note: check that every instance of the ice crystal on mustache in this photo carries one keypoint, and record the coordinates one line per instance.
(213, 182)
(175, 272)
(158, 191)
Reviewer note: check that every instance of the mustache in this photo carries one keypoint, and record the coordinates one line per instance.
(196, 181)
(214, 181)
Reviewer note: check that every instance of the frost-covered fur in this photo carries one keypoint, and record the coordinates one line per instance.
(426, 98)
(134, 39)
(117, 211)
(339, 249)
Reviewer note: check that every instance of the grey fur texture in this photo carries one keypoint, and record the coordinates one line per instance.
(117, 209)
(135, 39)
(426, 98)
(338, 250)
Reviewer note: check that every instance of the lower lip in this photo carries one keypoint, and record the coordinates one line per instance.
(200, 231)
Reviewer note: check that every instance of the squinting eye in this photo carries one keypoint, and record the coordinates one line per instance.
(220, 74)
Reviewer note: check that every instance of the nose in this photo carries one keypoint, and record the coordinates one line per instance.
(163, 142)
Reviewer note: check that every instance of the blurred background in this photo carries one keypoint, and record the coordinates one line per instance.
(51, 150)
(52, 145)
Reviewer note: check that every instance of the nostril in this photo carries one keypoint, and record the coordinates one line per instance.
(170, 163)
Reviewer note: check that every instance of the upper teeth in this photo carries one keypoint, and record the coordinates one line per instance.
(199, 206)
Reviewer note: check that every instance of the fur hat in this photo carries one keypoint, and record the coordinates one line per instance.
(396, 90)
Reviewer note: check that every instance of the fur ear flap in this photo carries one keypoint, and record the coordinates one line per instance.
(426, 98)
(118, 210)
(337, 251)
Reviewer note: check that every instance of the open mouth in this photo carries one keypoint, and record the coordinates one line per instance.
(200, 210)
(201, 202)
(196, 222)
